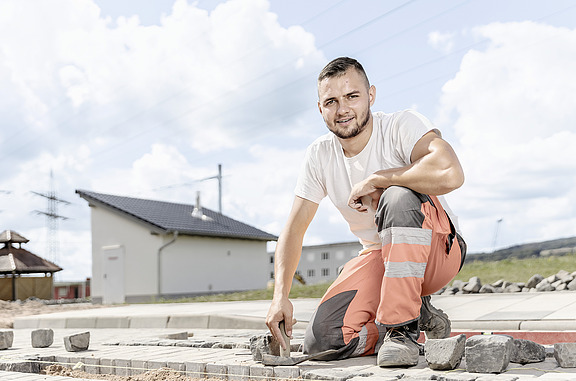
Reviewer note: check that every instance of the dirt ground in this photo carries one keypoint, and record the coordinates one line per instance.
(162, 374)
(10, 310)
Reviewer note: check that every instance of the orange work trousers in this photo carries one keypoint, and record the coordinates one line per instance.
(420, 254)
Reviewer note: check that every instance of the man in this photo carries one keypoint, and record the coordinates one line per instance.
(384, 173)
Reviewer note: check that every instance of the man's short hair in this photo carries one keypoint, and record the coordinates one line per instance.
(338, 66)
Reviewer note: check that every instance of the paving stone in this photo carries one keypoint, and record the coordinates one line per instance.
(488, 353)
(457, 377)
(565, 354)
(334, 374)
(23, 365)
(6, 339)
(239, 372)
(107, 366)
(526, 351)
(444, 354)
(138, 366)
(288, 372)
(77, 342)
(176, 336)
(261, 372)
(122, 367)
(42, 338)
(195, 369)
(263, 344)
(180, 367)
(217, 371)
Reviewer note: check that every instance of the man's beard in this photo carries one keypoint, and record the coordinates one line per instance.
(355, 131)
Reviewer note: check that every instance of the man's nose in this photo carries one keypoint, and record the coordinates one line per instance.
(343, 108)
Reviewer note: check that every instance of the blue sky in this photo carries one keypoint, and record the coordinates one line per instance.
(144, 98)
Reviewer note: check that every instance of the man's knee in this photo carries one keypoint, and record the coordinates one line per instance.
(399, 206)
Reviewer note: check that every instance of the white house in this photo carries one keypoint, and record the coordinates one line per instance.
(143, 250)
(321, 263)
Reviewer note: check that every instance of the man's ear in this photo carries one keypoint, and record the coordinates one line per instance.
(372, 94)
(319, 108)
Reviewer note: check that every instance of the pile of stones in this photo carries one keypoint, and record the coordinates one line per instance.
(561, 281)
(492, 353)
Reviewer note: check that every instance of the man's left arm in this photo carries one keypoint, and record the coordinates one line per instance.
(434, 170)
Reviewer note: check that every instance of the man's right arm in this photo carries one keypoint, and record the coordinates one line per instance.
(287, 256)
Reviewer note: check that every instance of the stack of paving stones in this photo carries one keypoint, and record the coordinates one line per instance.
(235, 358)
(561, 281)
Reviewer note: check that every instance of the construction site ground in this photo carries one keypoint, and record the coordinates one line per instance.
(132, 339)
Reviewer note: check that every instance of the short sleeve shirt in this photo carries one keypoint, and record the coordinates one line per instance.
(328, 172)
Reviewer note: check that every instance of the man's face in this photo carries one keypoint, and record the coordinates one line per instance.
(344, 103)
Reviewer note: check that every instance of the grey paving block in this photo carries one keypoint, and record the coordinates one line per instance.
(6, 339)
(444, 354)
(107, 366)
(77, 342)
(196, 369)
(122, 367)
(42, 338)
(180, 367)
(217, 370)
(526, 351)
(261, 372)
(488, 353)
(565, 354)
(287, 372)
(138, 367)
(176, 336)
(239, 372)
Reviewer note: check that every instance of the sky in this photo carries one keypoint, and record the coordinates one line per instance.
(145, 98)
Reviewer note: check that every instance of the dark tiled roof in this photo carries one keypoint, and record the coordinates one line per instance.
(168, 217)
(24, 262)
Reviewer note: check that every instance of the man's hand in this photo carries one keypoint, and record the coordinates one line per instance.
(281, 309)
(364, 195)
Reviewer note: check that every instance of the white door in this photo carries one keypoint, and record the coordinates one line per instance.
(113, 274)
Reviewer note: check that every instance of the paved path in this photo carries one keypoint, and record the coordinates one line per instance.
(127, 339)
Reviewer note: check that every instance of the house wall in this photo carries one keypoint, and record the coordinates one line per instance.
(140, 253)
(320, 263)
(206, 265)
(189, 266)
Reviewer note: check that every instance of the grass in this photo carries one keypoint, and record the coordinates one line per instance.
(516, 270)
(297, 291)
(512, 270)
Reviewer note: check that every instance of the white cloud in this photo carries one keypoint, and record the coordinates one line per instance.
(114, 106)
(514, 115)
(442, 41)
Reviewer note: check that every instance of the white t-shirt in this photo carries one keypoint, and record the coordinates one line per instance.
(328, 172)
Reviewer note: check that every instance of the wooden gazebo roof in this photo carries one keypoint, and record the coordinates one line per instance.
(16, 260)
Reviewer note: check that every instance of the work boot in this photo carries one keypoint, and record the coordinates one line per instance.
(433, 321)
(400, 347)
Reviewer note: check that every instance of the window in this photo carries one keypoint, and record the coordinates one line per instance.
(272, 259)
(325, 272)
(325, 256)
(272, 275)
(311, 273)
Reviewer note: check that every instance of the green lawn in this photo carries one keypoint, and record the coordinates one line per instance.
(512, 270)
(516, 270)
